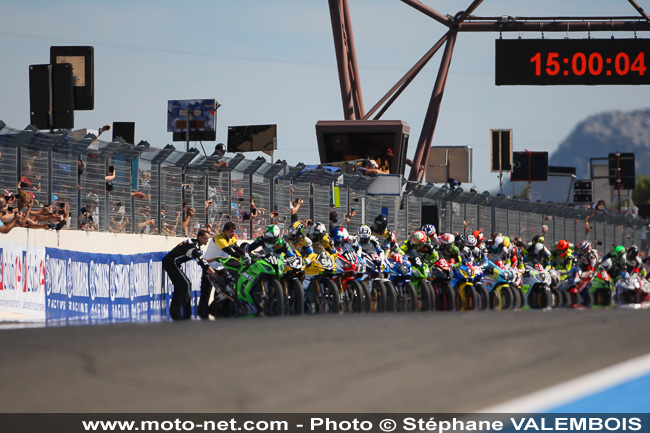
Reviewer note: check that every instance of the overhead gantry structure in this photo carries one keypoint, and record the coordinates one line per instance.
(463, 21)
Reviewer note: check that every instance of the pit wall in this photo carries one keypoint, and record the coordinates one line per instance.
(86, 276)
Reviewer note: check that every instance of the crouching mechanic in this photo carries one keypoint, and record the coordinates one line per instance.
(181, 307)
(223, 245)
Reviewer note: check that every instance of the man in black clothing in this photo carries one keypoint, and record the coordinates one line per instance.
(180, 307)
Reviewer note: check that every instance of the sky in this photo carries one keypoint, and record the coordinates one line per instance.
(274, 62)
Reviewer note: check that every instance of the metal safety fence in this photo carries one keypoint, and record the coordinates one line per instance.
(169, 192)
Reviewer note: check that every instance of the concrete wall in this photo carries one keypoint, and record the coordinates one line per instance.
(92, 242)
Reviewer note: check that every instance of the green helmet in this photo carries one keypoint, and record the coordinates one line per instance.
(271, 235)
(618, 251)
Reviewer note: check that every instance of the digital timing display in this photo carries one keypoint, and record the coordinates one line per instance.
(543, 62)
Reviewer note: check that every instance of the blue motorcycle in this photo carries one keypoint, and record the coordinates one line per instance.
(399, 274)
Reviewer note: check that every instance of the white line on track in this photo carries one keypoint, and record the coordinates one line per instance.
(574, 389)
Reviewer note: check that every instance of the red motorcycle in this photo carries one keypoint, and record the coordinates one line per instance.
(355, 295)
(440, 277)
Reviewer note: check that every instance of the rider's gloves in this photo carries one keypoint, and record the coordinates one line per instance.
(247, 259)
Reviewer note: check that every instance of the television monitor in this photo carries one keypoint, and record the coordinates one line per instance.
(201, 114)
(252, 138)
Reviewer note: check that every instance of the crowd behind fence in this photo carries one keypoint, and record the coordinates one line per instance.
(174, 193)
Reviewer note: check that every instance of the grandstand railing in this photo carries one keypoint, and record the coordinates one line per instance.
(154, 188)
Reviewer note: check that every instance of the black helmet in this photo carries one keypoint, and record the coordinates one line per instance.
(632, 252)
(380, 224)
(219, 149)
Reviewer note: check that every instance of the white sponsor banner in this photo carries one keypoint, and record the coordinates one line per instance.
(22, 282)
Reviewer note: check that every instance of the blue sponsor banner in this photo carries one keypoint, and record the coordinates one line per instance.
(104, 287)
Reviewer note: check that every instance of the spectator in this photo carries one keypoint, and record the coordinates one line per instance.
(8, 218)
(370, 167)
(294, 206)
(147, 227)
(333, 220)
(109, 178)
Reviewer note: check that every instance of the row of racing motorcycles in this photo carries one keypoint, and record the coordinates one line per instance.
(314, 271)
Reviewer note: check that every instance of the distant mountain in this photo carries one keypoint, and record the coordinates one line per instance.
(604, 133)
(596, 137)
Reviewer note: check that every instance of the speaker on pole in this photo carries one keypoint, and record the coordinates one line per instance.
(501, 149)
(51, 103)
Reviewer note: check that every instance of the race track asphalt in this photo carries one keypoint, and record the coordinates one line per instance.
(423, 362)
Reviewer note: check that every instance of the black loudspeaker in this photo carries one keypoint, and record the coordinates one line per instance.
(39, 96)
(529, 166)
(583, 191)
(430, 215)
(82, 60)
(51, 83)
(124, 130)
(501, 149)
(62, 96)
(624, 161)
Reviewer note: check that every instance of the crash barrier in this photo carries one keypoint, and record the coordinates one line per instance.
(39, 282)
(153, 189)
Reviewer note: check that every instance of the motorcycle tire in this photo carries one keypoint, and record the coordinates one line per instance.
(483, 297)
(294, 298)
(540, 297)
(518, 297)
(273, 302)
(409, 300)
(556, 299)
(366, 305)
(501, 298)
(603, 297)
(445, 298)
(377, 297)
(427, 297)
(468, 300)
(328, 299)
(391, 296)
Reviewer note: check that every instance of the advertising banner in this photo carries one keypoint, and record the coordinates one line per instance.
(22, 281)
(104, 287)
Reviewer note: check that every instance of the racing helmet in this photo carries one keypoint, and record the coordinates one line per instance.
(380, 224)
(471, 241)
(296, 231)
(584, 247)
(418, 239)
(618, 251)
(538, 250)
(340, 235)
(271, 235)
(429, 230)
(480, 237)
(447, 239)
(497, 245)
(318, 232)
(632, 252)
(562, 247)
(364, 234)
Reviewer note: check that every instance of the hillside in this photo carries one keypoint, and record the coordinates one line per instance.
(605, 133)
(596, 137)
